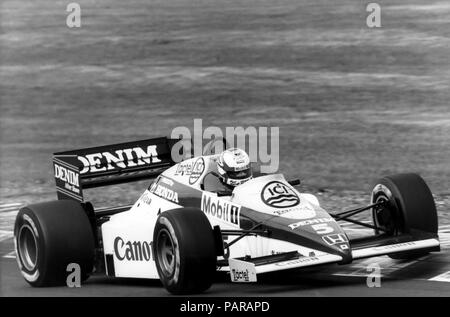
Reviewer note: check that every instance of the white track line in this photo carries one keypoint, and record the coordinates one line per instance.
(444, 239)
(5, 235)
(10, 205)
(387, 265)
(355, 274)
(9, 210)
(10, 255)
(444, 277)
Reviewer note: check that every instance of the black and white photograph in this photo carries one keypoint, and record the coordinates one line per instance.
(239, 151)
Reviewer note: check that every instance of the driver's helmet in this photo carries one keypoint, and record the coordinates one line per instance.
(234, 167)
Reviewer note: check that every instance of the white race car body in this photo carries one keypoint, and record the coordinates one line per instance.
(187, 224)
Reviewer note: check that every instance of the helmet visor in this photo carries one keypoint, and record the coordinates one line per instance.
(240, 175)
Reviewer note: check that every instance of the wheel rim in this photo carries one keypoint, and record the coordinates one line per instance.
(28, 248)
(166, 253)
(385, 215)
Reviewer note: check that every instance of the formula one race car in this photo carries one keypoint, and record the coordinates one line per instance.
(182, 233)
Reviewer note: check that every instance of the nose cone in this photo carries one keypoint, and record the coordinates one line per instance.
(338, 242)
(323, 233)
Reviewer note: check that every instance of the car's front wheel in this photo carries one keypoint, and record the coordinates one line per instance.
(184, 248)
(409, 208)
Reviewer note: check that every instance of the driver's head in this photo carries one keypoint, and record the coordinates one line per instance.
(234, 167)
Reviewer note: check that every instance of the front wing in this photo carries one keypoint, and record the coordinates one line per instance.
(246, 270)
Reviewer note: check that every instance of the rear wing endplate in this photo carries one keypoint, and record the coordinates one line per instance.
(77, 170)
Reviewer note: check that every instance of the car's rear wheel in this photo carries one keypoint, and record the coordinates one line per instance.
(409, 209)
(48, 237)
(184, 248)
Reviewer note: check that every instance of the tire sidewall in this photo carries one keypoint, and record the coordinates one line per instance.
(63, 234)
(170, 282)
(384, 189)
(195, 254)
(411, 201)
(36, 275)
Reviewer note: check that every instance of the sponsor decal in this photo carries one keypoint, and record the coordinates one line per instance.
(240, 275)
(69, 177)
(310, 222)
(132, 250)
(282, 212)
(197, 171)
(125, 158)
(184, 169)
(146, 199)
(220, 209)
(298, 261)
(279, 195)
(333, 239)
(167, 181)
(394, 246)
(297, 213)
(164, 192)
(192, 169)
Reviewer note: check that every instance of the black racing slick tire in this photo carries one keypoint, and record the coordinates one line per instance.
(48, 237)
(410, 209)
(184, 248)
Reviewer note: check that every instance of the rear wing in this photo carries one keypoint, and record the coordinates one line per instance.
(77, 170)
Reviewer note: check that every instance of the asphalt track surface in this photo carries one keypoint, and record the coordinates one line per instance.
(427, 276)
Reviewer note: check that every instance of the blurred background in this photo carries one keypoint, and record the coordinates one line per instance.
(353, 103)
